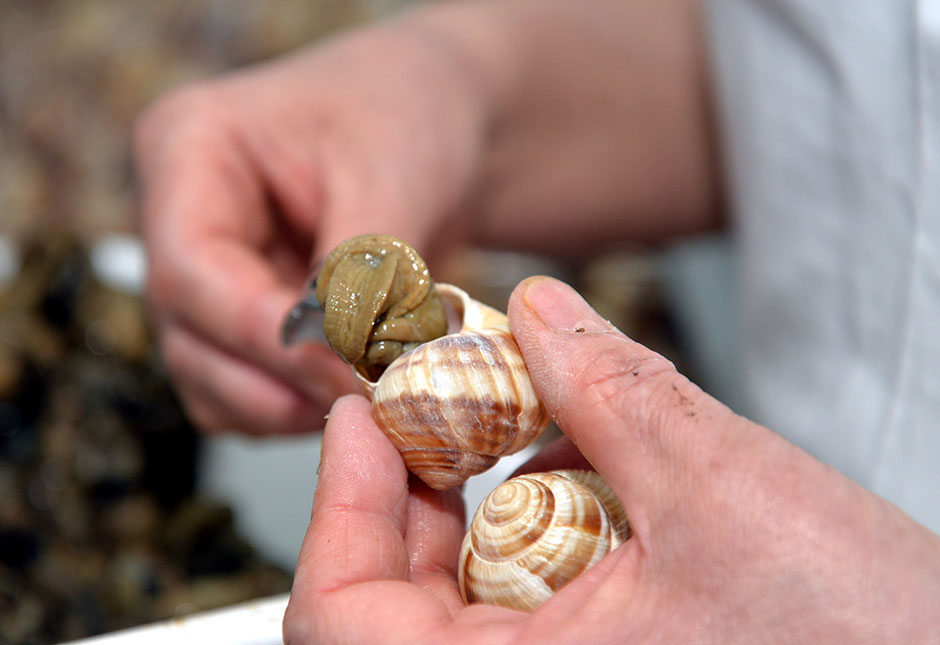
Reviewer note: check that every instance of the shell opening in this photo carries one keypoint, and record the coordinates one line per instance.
(454, 308)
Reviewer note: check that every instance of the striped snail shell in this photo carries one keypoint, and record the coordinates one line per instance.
(454, 405)
(534, 533)
(447, 381)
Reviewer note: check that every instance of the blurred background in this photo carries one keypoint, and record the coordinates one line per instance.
(113, 510)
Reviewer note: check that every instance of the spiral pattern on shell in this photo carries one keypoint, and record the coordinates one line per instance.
(535, 533)
(451, 403)
(455, 405)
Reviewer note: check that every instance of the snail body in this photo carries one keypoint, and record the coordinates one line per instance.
(453, 404)
(534, 533)
(379, 302)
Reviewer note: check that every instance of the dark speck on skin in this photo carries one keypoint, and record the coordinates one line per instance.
(683, 400)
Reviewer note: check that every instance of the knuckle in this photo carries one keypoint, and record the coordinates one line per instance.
(249, 333)
(160, 284)
(196, 102)
(200, 409)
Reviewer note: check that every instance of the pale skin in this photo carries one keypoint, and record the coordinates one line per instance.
(739, 536)
(548, 125)
(441, 127)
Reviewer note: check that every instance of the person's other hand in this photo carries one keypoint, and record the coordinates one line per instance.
(482, 122)
(739, 536)
(248, 179)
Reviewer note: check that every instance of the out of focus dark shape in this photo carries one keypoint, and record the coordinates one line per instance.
(75, 73)
(99, 526)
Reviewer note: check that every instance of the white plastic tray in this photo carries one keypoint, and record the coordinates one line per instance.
(252, 623)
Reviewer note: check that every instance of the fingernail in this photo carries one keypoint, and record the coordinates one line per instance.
(561, 307)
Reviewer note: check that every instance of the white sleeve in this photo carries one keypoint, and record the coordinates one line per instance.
(830, 117)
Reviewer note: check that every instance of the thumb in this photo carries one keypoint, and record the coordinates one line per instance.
(645, 428)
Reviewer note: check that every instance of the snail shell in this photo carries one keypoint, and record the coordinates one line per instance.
(536, 532)
(454, 405)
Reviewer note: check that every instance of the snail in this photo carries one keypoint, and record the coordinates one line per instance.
(448, 384)
(379, 302)
(534, 533)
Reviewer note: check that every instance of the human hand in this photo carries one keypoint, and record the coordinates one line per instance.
(485, 121)
(249, 178)
(738, 535)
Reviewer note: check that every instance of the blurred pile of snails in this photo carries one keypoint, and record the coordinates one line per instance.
(98, 529)
(450, 390)
(76, 73)
(99, 525)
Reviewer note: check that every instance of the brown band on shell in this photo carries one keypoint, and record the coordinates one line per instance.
(524, 509)
(443, 468)
(619, 524)
(487, 426)
(580, 533)
(557, 562)
(461, 393)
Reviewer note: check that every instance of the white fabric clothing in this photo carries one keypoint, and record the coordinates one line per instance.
(830, 114)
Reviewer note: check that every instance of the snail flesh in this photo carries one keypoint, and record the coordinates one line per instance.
(534, 533)
(452, 393)
(379, 302)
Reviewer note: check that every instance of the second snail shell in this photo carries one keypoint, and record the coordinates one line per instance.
(535, 533)
(454, 405)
